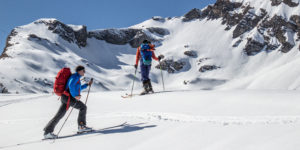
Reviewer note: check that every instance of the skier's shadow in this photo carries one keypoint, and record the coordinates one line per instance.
(126, 128)
(114, 129)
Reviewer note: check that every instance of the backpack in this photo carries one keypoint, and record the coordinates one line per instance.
(146, 54)
(61, 80)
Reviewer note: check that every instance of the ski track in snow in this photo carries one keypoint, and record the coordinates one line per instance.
(182, 118)
(223, 120)
(18, 100)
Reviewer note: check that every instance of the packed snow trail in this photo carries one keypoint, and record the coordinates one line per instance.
(211, 120)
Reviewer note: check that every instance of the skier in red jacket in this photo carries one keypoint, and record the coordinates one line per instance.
(144, 54)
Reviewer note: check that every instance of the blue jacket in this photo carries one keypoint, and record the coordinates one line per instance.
(74, 85)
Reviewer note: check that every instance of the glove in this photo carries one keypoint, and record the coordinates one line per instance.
(135, 66)
(91, 82)
(159, 58)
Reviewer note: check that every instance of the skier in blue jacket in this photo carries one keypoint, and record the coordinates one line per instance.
(71, 97)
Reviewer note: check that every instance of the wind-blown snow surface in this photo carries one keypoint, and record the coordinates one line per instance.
(193, 120)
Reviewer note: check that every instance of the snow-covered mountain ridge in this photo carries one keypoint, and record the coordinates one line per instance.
(232, 44)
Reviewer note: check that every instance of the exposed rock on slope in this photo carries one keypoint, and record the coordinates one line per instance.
(124, 36)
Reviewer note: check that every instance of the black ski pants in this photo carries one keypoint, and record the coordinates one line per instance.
(62, 111)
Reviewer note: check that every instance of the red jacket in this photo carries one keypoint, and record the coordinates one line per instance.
(138, 54)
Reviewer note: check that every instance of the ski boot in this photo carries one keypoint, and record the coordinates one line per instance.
(145, 85)
(84, 128)
(50, 136)
(150, 89)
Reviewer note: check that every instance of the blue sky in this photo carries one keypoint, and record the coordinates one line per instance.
(95, 14)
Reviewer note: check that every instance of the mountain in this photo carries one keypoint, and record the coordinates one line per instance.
(232, 44)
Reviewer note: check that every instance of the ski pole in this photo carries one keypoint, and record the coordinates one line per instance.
(133, 81)
(64, 122)
(88, 92)
(162, 77)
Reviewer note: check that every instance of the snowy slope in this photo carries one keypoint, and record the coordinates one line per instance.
(211, 120)
(236, 44)
(268, 69)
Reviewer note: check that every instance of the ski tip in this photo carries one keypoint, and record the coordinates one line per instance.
(126, 96)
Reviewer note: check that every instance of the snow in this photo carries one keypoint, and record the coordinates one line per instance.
(76, 27)
(212, 120)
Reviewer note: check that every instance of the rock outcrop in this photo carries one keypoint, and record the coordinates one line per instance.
(191, 15)
(171, 66)
(3, 89)
(124, 36)
(206, 68)
(191, 53)
(253, 47)
(248, 22)
(66, 32)
(8, 44)
(287, 2)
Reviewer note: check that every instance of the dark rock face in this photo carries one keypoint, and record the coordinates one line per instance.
(33, 36)
(278, 27)
(296, 21)
(123, 36)
(191, 15)
(237, 43)
(248, 22)
(253, 47)
(81, 36)
(114, 36)
(139, 38)
(43, 82)
(157, 18)
(66, 32)
(275, 24)
(220, 9)
(159, 31)
(3, 89)
(171, 66)
(245, 20)
(276, 2)
(287, 2)
(8, 44)
(208, 68)
(191, 54)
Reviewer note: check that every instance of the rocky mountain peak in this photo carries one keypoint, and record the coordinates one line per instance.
(245, 18)
(78, 36)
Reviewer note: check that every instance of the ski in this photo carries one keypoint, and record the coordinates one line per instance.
(90, 132)
(130, 96)
(63, 137)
